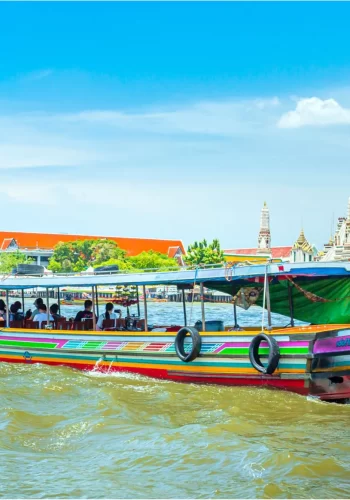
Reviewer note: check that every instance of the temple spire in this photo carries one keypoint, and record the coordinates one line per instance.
(264, 239)
(301, 238)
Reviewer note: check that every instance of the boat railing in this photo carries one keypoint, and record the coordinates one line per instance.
(82, 274)
(228, 266)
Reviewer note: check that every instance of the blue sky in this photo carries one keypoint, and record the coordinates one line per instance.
(175, 120)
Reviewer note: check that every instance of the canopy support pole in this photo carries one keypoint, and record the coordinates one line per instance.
(138, 301)
(7, 310)
(202, 306)
(235, 315)
(97, 308)
(93, 309)
(23, 301)
(145, 306)
(268, 304)
(59, 300)
(266, 301)
(48, 307)
(291, 305)
(184, 306)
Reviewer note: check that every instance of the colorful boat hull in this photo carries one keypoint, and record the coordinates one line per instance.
(313, 360)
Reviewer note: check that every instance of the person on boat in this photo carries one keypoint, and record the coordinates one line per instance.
(42, 315)
(2, 310)
(37, 303)
(54, 312)
(87, 313)
(16, 313)
(28, 314)
(109, 314)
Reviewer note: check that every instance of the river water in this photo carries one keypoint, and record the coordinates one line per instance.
(65, 433)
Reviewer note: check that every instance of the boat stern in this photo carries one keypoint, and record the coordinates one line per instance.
(330, 366)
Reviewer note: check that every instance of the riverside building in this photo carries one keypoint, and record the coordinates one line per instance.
(40, 246)
(338, 247)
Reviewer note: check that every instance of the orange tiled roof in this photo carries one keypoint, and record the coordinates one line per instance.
(276, 252)
(6, 243)
(133, 246)
(172, 251)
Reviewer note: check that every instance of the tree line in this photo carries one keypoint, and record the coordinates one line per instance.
(79, 255)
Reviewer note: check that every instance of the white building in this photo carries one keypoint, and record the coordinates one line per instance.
(264, 238)
(338, 247)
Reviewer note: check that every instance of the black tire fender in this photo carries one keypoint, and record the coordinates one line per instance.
(274, 353)
(180, 344)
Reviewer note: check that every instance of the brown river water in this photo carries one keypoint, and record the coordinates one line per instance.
(65, 433)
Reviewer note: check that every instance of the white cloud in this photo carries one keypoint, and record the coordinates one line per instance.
(230, 134)
(24, 155)
(267, 103)
(30, 191)
(314, 111)
(27, 140)
(148, 174)
(147, 197)
(38, 75)
(225, 118)
(165, 135)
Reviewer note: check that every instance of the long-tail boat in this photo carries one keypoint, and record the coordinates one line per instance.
(309, 359)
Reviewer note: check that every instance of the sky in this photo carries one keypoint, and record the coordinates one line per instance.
(175, 120)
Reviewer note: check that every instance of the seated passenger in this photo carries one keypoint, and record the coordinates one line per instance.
(2, 310)
(28, 314)
(16, 313)
(87, 313)
(54, 312)
(42, 315)
(38, 302)
(109, 314)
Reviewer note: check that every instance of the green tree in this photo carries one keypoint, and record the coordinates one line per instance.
(106, 250)
(153, 260)
(10, 260)
(55, 266)
(203, 254)
(76, 256)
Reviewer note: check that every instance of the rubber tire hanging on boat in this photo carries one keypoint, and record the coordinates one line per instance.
(180, 344)
(274, 354)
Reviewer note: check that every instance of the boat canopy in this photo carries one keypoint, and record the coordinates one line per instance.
(225, 278)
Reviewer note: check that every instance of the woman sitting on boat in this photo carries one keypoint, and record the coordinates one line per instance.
(109, 314)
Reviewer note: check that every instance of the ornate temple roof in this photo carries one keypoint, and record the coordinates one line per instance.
(302, 243)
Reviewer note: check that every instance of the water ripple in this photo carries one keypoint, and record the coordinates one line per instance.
(69, 434)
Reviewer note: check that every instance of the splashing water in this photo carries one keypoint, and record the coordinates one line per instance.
(97, 364)
(110, 366)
